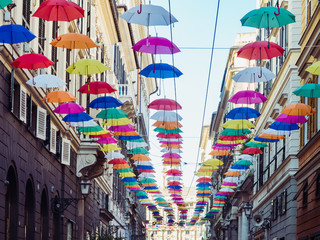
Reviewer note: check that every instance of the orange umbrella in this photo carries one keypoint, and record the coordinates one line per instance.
(233, 174)
(298, 109)
(149, 184)
(133, 133)
(174, 160)
(174, 146)
(73, 41)
(167, 125)
(59, 97)
(220, 153)
(271, 136)
(121, 166)
(205, 191)
(140, 157)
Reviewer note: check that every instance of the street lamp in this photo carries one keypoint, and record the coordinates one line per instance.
(247, 207)
(61, 204)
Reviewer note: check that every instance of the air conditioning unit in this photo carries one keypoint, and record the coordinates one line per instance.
(7, 16)
(26, 47)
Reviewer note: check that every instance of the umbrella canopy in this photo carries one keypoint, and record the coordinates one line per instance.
(284, 126)
(254, 74)
(163, 130)
(90, 130)
(121, 128)
(73, 41)
(156, 45)
(110, 147)
(252, 150)
(96, 87)
(138, 151)
(46, 81)
(167, 124)
(117, 122)
(238, 124)
(233, 174)
(149, 15)
(77, 117)
(69, 108)
(164, 104)
(235, 132)
(32, 61)
(59, 97)
(140, 157)
(265, 139)
(254, 143)
(232, 138)
(213, 162)
(160, 70)
(174, 172)
(314, 68)
(239, 167)
(112, 113)
(204, 179)
(271, 136)
(243, 113)
(87, 67)
(276, 132)
(291, 118)
(59, 10)
(105, 102)
(260, 50)
(114, 155)
(311, 90)
(243, 162)
(117, 161)
(175, 136)
(15, 33)
(247, 97)
(298, 109)
(166, 116)
(89, 123)
(265, 17)
(220, 153)
(4, 3)
(107, 140)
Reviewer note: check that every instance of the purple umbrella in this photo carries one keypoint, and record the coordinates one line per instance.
(247, 97)
(166, 142)
(156, 45)
(291, 118)
(69, 108)
(171, 155)
(122, 128)
(107, 140)
(222, 148)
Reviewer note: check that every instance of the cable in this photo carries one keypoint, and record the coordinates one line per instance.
(208, 83)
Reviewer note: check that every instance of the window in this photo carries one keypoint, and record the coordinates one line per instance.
(305, 194)
(187, 232)
(26, 14)
(68, 63)
(283, 202)
(274, 205)
(80, 20)
(54, 52)
(41, 35)
(318, 185)
(103, 74)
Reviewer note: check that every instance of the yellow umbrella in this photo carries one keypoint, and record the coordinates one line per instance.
(87, 67)
(202, 174)
(230, 142)
(129, 174)
(238, 124)
(117, 122)
(213, 162)
(110, 147)
(97, 133)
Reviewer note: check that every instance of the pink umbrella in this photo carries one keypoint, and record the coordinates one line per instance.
(69, 108)
(168, 135)
(122, 128)
(166, 142)
(156, 45)
(231, 184)
(164, 104)
(221, 148)
(247, 97)
(291, 118)
(107, 140)
(174, 172)
(171, 155)
(260, 50)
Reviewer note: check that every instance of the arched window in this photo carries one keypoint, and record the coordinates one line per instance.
(11, 209)
(44, 216)
(29, 212)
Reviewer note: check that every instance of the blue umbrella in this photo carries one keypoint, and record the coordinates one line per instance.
(77, 117)
(284, 126)
(203, 195)
(142, 197)
(175, 187)
(129, 179)
(144, 167)
(239, 167)
(160, 70)
(204, 184)
(265, 139)
(105, 102)
(14, 33)
(127, 138)
(151, 188)
(243, 113)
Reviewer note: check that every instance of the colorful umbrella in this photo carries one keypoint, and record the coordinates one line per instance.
(167, 124)
(138, 151)
(174, 172)
(117, 161)
(59, 97)
(291, 118)
(276, 132)
(59, 10)
(247, 97)
(156, 45)
(213, 162)
(239, 167)
(298, 109)
(238, 124)
(163, 130)
(15, 33)
(110, 147)
(243, 162)
(271, 136)
(311, 90)
(46, 81)
(105, 102)
(89, 123)
(121, 128)
(117, 122)
(4, 3)
(314, 68)
(220, 153)
(235, 132)
(164, 104)
(160, 70)
(87, 67)
(254, 143)
(243, 113)
(107, 140)
(265, 139)
(112, 113)
(260, 50)
(284, 126)
(252, 150)
(77, 117)
(73, 41)
(96, 87)
(32, 61)
(69, 108)
(232, 138)
(114, 155)
(233, 174)
(254, 74)
(90, 130)
(166, 116)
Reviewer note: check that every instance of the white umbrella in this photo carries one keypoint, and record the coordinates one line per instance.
(131, 145)
(170, 139)
(254, 74)
(172, 150)
(149, 15)
(245, 157)
(89, 123)
(46, 81)
(146, 175)
(157, 195)
(166, 116)
(175, 178)
(226, 190)
(114, 155)
(143, 163)
(231, 179)
(276, 132)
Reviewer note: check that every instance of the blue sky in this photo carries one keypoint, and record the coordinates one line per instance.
(193, 35)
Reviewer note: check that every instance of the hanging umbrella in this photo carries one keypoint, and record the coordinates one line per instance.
(164, 104)
(32, 61)
(235, 132)
(311, 90)
(132, 133)
(89, 123)
(107, 134)
(260, 50)
(122, 128)
(110, 147)
(314, 68)
(97, 87)
(276, 132)
(69, 108)
(233, 174)
(166, 116)
(112, 113)
(174, 172)
(213, 162)
(238, 124)
(114, 155)
(149, 15)
(117, 122)
(271, 136)
(254, 74)
(298, 109)
(59, 10)
(239, 167)
(90, 130)
(169, 135)
(138, 151)
(87, 67)
(147, 180)
(265, 17)
(243, 113)
(204, 179)
(254, 143)
(131, 145)
(77, 117)
(291, 118)
(15, 33)
(265, 139)
(59, 97)
(107, 140)
(105, 102)
(243, 162)
(220, 153)
(4, 3)
(163, 130)
(284, 126)
(232, 138)
(247, 97)
(73, 41)
(156, 45)
(234, 142)
(117, 161)
(160, 70)
(222, 148)
(252, 150)
(46, 81)
(167, 124)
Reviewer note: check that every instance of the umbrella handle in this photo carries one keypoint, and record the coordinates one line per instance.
(260, 75)
(277, 13)
(139, 11)
(34, 3)
(33, 82)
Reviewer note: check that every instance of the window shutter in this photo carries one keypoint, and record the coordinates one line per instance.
(11, 100)
(53, 139)
(23, 104)
(65, 152)
(41, 123)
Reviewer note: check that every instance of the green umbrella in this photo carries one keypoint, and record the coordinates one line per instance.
(136, 140)
(130, 183)
(124, 170)
(97, 128)
(235, 132)
(4, 3)
(311, 90)
(163, 130)
(314, 68)
(265, 17)
(243, 162)
(203, 188)
(256, 144)
(159, 199)
(220, 197)
(141, 194)
(148, 180)
(138, 151)
(112, 113)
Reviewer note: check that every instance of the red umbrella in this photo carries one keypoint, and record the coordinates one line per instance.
(232, 138)
(59, 10)
(174, 172)
(260, 50)
(32, 61)
(174, 183)
(101, 136)
(117, 161)
(170, 135)
(252, 150)
(164, 104)
(146, 170)
(96, 87)
(204, 179)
